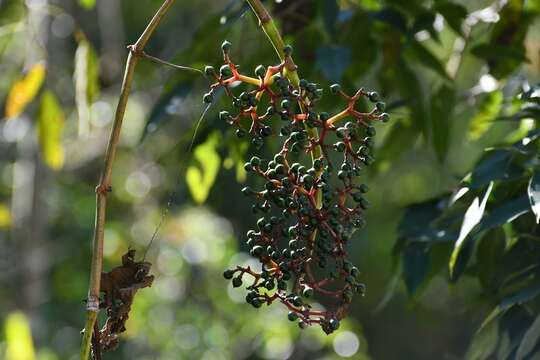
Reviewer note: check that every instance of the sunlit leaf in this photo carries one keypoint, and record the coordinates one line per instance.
(454, 14)
(201, 176)
(473, 216)
(489, 109)
(87, 4)
(19, 337)
(534, 194)
(5, 217)
(505, 51)
(530, 340)
(24, 90)
(86, 81)
(50, 128)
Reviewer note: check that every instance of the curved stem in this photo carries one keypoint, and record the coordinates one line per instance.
(92, 305)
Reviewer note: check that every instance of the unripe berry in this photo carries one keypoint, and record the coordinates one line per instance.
(373, 96)
(237, 282)
(260, 71)
(288, 50)
(228, 274)
(209, 70)
(208, 98)
(292, 316)
(384, 117)
(335, 88)
(226, 46)
(225, 71)
(334, 323)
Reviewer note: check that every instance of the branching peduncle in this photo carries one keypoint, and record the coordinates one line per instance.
(270, 29)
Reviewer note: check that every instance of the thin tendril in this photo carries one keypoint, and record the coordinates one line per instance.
(172, 195)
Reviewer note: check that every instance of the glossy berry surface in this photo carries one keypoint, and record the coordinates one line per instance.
(311, 202)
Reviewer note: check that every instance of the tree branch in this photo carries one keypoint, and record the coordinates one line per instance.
(92, 306)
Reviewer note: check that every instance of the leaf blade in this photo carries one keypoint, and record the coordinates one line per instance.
(533, 191)
(24, 90)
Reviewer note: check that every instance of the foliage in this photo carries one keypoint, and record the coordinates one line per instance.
(491, 225)
(447, 70)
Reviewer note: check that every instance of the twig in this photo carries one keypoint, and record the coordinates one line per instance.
(92, 305)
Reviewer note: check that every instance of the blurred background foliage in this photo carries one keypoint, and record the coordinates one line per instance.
(450, 72)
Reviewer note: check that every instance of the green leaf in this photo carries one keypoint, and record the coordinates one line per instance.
(330, 11)
(530, 340)
(506, 213)
(333, 61)
(484, 342)
(411, 90)
(489, 109)
(392, 17)
(521, 297)
(202, 176)
(426, 58)
(415, 264)
(473, 216)
(498, 52)
(454, 14)
(533, 191)
(442, 109)
(50, 127)
(505, 51)
(87, 4)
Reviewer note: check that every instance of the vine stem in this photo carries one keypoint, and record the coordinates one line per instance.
(270, 29)
(92, 304)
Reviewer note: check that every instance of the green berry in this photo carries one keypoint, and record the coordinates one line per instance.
(334, 323)
(380, 106)
(335, 88)
(288, 50)
(228, 274)
(208, 98)
(370, 131)
(384, 117)
(373, 96)
(209, 70)
(225, 71)
(226, 46)
(255, 161)
(307, 292)
(260, 71)
(292, 316)
(237, 282)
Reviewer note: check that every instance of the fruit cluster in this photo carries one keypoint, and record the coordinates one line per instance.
(309, 207)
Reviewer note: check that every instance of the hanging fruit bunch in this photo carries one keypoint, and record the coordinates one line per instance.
(311, 202)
